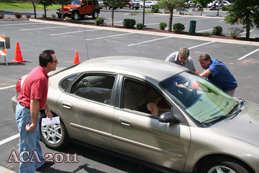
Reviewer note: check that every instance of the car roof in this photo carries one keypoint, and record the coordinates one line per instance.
(131, 65)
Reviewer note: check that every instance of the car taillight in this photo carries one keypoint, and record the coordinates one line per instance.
(18, 85)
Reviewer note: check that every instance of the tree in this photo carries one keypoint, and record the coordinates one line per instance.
(244, 12)
(170, 5)
(46, 3)
(62, 3)
(202, 3)
(34, 7)
(113, 4)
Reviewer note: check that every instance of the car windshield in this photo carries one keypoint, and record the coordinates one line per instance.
(204, 102)
(75, 2)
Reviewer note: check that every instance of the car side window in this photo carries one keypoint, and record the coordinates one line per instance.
(95, 87)
(84, 3)
(67, 81)
(90, 2)
(137, 95)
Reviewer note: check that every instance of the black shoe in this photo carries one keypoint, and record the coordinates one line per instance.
(45, 165)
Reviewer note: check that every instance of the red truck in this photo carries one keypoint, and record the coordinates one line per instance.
(79, 8)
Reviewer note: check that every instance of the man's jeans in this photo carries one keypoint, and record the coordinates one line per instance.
(29, 141)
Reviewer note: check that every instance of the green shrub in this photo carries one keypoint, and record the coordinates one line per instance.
(178, 27)
(206, 33)
(99, 21)
(155, 8)
(234, 32)
(1, 15)
(162, 25)
(217, 30)
(140, 26)
(129, 23)
(200, 9)
(18, 15)
(136, 11)
(28, 16)
(225, 8)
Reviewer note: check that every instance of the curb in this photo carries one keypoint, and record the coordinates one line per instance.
(153, 33)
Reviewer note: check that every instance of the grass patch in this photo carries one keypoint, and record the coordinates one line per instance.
(16, 5)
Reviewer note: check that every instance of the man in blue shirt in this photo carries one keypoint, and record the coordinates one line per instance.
(218, 74)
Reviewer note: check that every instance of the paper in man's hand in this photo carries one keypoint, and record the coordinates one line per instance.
(48, 121)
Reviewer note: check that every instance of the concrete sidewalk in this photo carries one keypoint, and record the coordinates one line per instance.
(231, 41)
(5, 170)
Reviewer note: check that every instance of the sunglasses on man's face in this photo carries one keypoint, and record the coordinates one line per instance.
(56, 60)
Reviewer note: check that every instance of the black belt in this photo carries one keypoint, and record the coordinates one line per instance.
(24, 106)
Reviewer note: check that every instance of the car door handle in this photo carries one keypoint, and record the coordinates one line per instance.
(66, 105)
(126, 124)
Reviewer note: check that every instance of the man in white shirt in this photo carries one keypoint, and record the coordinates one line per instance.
(182, 58)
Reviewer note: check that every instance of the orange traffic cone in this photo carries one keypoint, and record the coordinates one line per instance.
(76, 58)
(18, 54)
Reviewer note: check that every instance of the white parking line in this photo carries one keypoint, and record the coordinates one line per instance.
(41, 28)
(9, 139)
(21, 24)
(149, 41)
(248, 54)
(205, 30)
(108, 36)
(7, 87)
(201, 45)
(74, 32)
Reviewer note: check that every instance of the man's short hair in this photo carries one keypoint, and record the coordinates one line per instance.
(204, 57)
(184, 52)
(45, 57)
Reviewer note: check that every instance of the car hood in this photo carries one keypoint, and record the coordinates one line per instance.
(245, 126)
(71, 6)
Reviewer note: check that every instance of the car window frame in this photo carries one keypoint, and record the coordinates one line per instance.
(120, 94)
(69, 90)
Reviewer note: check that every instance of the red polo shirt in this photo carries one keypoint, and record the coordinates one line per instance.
(35, 86)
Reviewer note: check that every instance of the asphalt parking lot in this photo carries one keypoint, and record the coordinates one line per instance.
(34, 37)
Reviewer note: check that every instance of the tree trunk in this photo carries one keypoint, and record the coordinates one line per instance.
(62, 15)
(247, 31)
(112, 15)
(45, 14)
(171, 10)
(34, 8)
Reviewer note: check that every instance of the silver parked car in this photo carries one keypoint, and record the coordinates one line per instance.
(203, 131)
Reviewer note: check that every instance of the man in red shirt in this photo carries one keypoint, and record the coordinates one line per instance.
(31, 100)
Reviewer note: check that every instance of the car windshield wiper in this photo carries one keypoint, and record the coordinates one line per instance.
(213, 118)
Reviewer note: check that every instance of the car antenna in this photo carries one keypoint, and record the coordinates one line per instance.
(87, 55)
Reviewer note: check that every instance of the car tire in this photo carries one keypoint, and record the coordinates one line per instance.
(59, 16)
(95, 14)
(137, 8)
(54, 136)
(225, 164)
(75, 15)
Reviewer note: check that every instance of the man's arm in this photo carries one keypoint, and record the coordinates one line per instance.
(205, 73)
(47, 111)
(34, 109)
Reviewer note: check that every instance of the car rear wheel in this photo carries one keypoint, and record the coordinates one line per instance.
(75, 15)
(54, 136)
(95, 14)
(223, 164)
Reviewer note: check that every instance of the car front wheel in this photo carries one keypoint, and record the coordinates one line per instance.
(75, 15)
(224, 164)
(54, 136)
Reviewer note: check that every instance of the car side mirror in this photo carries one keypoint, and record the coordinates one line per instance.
(167, 117)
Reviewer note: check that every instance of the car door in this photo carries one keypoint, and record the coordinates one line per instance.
(88, 110)
(142, 136)
(86, 6)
